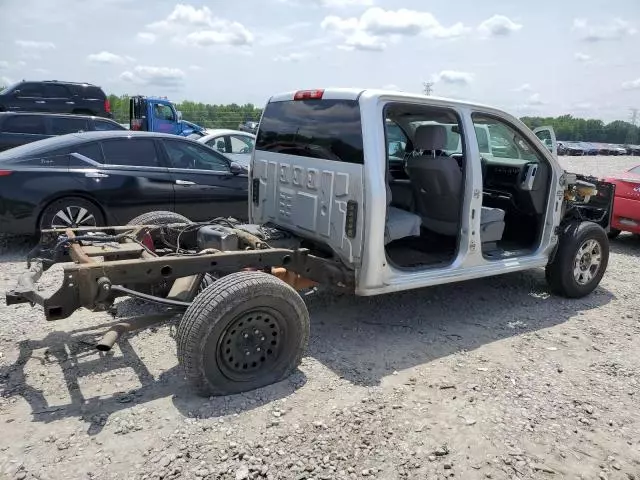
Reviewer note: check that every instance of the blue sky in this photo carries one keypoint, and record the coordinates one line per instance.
(542, 57)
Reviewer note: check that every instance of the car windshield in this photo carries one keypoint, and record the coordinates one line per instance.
(6, 88)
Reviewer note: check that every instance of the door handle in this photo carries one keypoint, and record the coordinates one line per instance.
(184, 182)
(40, 101)
(70, 103)
(96, 175)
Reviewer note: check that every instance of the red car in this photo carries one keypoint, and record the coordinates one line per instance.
(626, 204)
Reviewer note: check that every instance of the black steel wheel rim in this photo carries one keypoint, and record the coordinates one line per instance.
(252, 343)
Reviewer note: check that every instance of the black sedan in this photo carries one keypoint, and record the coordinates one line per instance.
(99, 178)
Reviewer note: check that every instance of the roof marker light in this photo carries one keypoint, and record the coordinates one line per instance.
(309, 95)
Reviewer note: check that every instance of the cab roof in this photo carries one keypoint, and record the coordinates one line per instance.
(357, 93)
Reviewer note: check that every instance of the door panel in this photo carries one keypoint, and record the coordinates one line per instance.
(548, 137)
(205, 188)
(163, 118)
(30, 98)
(133, 180)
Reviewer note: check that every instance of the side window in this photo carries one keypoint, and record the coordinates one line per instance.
(193, 156)
(218, 144)
(91, 150)
(163, 112)
(101, 125)
(56, 91)
(132, 152)
(396, 140)
(241, 144)
(62, 126)
(31, 124)
(482, 134)
(31, 90)
(504, 140)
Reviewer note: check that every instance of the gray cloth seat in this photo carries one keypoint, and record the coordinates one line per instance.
(436, 179)
(399, 223)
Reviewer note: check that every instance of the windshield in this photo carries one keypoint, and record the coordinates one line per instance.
(6, 88)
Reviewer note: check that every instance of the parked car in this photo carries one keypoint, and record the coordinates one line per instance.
(94, 178)
(248, 126)
(21, 128)
(618, 150)
(562, 149)
(573, 148)
(54, 96)
(589, 148)
(633, 149)
(626, 202)
(234, 144)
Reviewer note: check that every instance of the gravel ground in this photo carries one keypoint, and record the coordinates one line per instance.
(486, 379)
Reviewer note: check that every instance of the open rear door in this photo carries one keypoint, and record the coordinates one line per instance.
(548, 137)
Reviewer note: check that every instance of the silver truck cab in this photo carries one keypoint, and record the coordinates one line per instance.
(443, 210)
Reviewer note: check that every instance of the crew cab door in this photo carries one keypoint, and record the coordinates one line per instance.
(307, 170)
(548, 137)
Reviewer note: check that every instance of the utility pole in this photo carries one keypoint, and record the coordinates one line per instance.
(632, 136)
(427, 88)
(634, 116)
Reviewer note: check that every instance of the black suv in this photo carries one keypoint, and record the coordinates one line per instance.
(52, 96)
(21, 128)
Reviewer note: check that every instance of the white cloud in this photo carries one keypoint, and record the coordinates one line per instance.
(33, 45)
(498, 26)
(232, 33)
(525, 87)
(156, 76)
(375, 27)
(614, 30)
(632, 84)
(291, 57)
(454, 77)
(535, 100)
(209, 30)
(108, 58)
(195, 68)
(146, 38)
(582, 57)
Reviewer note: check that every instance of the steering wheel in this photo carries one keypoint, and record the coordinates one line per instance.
(245, 150)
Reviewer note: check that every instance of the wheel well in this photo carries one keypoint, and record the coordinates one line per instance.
(82, 195)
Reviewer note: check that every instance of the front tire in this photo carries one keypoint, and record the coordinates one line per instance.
(580, 261)
(245, 331)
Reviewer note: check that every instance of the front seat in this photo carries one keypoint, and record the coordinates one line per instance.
(399, 223)
(436, 179)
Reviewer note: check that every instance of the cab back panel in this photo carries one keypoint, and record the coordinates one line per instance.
(308, 181)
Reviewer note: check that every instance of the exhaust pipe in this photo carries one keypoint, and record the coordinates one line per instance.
(137, 323)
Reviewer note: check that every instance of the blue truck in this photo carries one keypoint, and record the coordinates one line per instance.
(157, 114)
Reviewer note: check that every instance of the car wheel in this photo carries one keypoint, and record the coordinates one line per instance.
(246, 331)
(71, 212)
(580, 261)
(613, 233)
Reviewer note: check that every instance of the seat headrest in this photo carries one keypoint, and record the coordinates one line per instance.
(430, 137)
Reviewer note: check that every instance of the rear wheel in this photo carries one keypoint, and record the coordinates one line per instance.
(246, 331)
(580, 262)
(71, 212)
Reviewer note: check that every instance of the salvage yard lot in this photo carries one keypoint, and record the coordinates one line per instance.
(485, 379)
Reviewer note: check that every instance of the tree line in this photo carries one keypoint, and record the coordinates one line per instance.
(568, 127)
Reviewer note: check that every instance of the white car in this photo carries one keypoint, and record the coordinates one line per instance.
(234, 144)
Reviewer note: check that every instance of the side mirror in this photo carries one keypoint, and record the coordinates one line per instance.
(16, 93)
(237, 169)
(179, 115)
